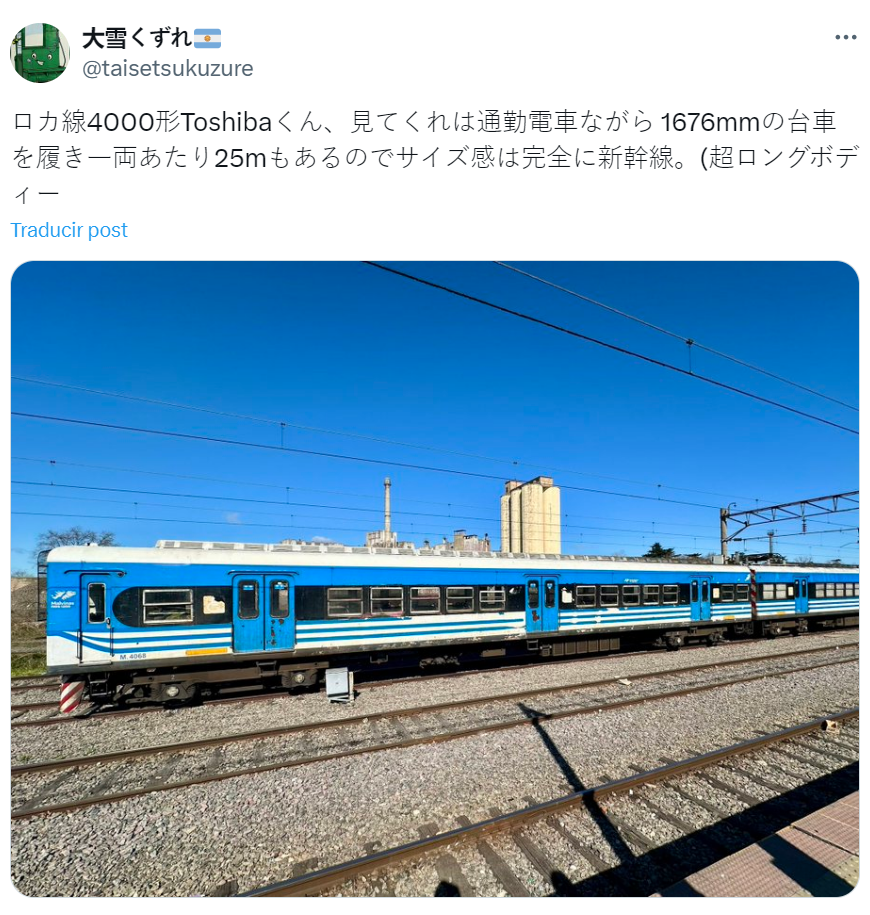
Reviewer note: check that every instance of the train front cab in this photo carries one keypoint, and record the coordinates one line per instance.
(89, 644)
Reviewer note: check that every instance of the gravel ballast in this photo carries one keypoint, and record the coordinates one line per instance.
(253, 829)
(95, 736)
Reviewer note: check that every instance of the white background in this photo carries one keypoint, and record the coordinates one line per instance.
(738, 58)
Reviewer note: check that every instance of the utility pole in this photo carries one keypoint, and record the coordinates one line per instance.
(770, 543)
(723, 532)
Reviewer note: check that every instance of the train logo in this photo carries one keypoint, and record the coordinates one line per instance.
(62, 600)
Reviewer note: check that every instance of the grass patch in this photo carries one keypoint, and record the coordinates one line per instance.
(28, 665)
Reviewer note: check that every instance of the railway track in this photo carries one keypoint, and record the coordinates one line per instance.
(406, 727)
(543, 836)
(52, 681)
(95, 714)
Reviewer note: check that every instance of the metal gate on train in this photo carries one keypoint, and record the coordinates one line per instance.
(263, 612)
(542, 607)
(700, 598)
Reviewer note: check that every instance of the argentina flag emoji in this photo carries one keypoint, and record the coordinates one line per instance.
(206, 38)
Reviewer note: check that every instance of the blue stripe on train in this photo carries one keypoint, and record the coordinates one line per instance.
(158, 644)
(148, 649)
(420, 629)
(127, 639)
(347, 636)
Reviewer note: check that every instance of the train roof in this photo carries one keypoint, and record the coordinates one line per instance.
(186, 552)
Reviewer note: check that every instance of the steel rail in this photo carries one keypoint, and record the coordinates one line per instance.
(443, 737)
(107, 716)
(422, 675)
(16, 688)
(324, 724)
(327, 878)
(34, 706)
(417, 676)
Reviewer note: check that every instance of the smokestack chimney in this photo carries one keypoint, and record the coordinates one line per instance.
(387, 505)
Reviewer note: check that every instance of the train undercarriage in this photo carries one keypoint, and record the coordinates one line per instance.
(182, 683)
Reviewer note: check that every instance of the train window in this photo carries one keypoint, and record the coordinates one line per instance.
(741, 592)
(516, 597)
(387, 602)
(630, 595)
(549, 593)
(248, 600)
(817, 590)
(694, 592)
(609, 596)
(651, 594)
(33, 35)
(493, 599)
(425, 600)
(164, 605)
(790, 589)
(344, 601)
(705, 591)
(830, 589)
(279, 600)
(841, 590)
(534, 597)
(96, 602)
(767, 592)
(726, 593)
(460, 600)
(856, 589)
(849, 589)
(213, 605)
(585, 595)
(670, 594)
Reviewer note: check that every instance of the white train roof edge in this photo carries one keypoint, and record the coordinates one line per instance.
(183, 552)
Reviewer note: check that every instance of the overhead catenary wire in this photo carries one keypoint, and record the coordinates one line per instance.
(838, 530)
(287, 424)
(52, 462)
(690, 341)
(277, 502)
(283, 449)
(615, 348)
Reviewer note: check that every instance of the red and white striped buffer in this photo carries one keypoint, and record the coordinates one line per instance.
(71, 695)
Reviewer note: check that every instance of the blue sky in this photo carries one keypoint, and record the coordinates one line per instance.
(352, 349)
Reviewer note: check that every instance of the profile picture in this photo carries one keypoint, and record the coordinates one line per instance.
(39, 52)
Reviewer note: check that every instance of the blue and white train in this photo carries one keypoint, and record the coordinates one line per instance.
(188, 618)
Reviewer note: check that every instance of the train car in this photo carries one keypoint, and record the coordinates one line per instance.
(186, 618)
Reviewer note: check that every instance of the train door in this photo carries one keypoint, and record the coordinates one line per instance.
(801, 601)
(700, 598)
(263, 613)
(95, 619)
(542, 605)
(280, 618)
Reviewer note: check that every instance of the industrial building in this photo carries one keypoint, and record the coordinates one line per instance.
(471, 542)
(531, 517)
